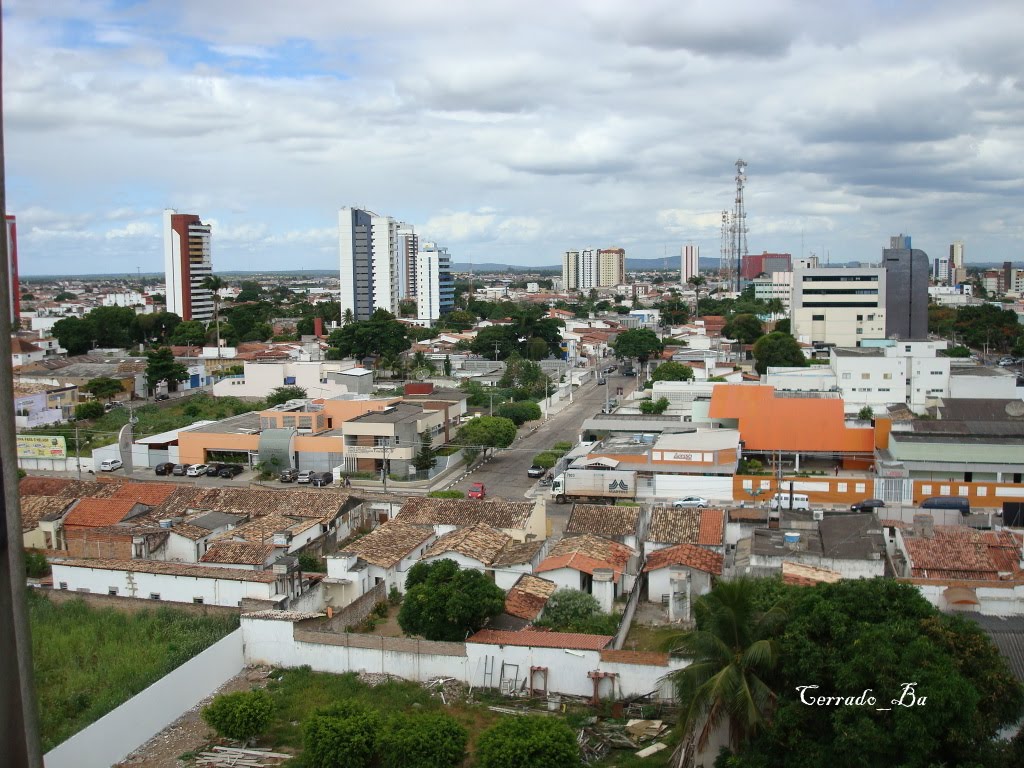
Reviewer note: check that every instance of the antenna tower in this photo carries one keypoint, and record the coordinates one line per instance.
(725, 263)
(739, 220)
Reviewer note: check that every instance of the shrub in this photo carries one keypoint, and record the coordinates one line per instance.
(311, 563)
(563, 446)
(35, 565)
(520, 412)
(545, 459)
(394, 596)
(241, 716)
(528, 742)
(343, 735)
(423, 741)
(381, 608)
(569, 610)
(90, 410)
(446, 495)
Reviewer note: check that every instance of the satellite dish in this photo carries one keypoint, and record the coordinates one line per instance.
(1015, 408)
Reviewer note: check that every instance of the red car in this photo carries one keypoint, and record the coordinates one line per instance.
(477, 491)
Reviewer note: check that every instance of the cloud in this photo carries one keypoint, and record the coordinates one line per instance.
(134, 229)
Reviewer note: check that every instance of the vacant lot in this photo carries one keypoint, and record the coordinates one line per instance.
(88, 661)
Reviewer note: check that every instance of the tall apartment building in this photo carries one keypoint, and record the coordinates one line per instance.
(779, 285)
(690, 263)
(435, 288)
(906, 285)
(837, 305)
(755, 264)
(373, 255)
(12, 267)
(593, 268)
(957, 270)
(187, 263)
(408, 248)
(941, 271)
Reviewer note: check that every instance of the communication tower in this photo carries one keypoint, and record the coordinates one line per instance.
(739, 221)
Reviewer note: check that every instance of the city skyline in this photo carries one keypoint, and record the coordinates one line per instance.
(503, 141)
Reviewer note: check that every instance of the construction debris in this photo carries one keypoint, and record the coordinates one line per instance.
(651, 750)
(448, 689)
(232, 757)
(642, 730)
(373, 679)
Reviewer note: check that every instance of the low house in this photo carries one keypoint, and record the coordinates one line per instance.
(687, 525)
(40, 521)
(590, 564)
(474, 547)
(525, 602)
(289, 534)
(104, 528)
(239, 554)
(383, 555)
(516, 559)
(684, 571)
(849, 544)
(522, 520)
(621, 524)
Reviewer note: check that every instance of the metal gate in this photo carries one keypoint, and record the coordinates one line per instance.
(894, 490)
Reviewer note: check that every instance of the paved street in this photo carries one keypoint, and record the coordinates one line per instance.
(505, 474)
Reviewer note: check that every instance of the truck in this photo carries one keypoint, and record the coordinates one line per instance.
(594, 485)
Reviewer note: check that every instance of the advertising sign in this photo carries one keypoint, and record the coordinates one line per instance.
(41, 447)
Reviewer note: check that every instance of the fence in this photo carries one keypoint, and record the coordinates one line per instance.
(130, 725)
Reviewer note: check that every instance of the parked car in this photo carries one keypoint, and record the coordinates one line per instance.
(180, 470)
(305, 476)
(867, 505)
(690, 501)
(197, 470)
(477, 491)
(162, 396)
(164, 468)
(109, 465)
(231, 470)
(602, 380)
(321, 479)
(213, 468)
(536, 471)
(288, 475)
(111, 405)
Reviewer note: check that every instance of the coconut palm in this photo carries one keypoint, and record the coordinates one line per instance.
(213, 283)
(732, 653)
(696, 281)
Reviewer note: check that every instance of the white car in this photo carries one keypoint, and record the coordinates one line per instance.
(109, 465)
(197, 469)
(690, 501)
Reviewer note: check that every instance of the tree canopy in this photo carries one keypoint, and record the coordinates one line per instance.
(672, 371)
(444, 602)
(382, 336)
(103, 387)
(163, 367)
(745, 328)
(638, 343)
(528, 742)
(280, 395)
(777, 349)
(487, 432)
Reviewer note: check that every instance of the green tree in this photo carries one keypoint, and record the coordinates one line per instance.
(103, 387)
(447, 365)
(90, 410)
(426, 457)
(658, 406)
(427, 740)
(158, 326)
(189, 333)
(523, 374)
(381, 336)
(733, 653)
(570, 610)
(783, 326)
(744, 328)
(672, 371)
(519, 413)
(342, 735)
(74, 334)
(280, 395)
(115, 326)
(242, 715)
(163, 367)
(865, 413)
(486, 432)
(213, 283)
(638, 343)
(529, 741)
(546, 459)
(64, 296)
(779, 350)
(443, 602)
(495, 341)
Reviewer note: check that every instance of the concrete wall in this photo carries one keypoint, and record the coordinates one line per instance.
(133, 604)
(117, 733)
(659, 583)
(993, 599)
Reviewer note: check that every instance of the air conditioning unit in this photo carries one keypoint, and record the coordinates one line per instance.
(818, 514)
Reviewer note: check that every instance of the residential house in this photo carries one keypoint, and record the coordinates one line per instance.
(590, 564)
(686, 525)
(683, 571)
(383, 555)
(849, 544)
(521, 520)
(516, 559)
(24, 352)
(107, 528)
(475, 546)
(625, 525)
(40, 521)
(524, 602)
(239, 554)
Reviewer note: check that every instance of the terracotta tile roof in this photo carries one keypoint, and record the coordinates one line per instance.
(537, 639)
(255, 502)
(955, 552)
(748, 515)
(238, 553)
(462, 512)
(35, 508)
(1004, 547)
(644, 658)
(802, 575)
(518, 552)
(173, 569)
(66, 488)
(150, 494)
(528, 596)
(22, 347)
(478, 541)
(689, 555)
(603, 520)
(705, 527)
(586, 553)
(193, 532)
(389, 543)
(262, 529)
(96, 513)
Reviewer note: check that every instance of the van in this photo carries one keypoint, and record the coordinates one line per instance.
(961, 503)
(781, 501)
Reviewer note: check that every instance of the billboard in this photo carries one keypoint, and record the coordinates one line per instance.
(41, 447)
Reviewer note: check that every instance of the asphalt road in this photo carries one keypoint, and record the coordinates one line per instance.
(505, 474)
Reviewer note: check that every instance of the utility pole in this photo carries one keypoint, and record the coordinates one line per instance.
(78, 452)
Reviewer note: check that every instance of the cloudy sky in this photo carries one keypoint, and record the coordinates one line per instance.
(511, 131)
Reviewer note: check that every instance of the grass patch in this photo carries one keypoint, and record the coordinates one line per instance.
(647, 638)
(153, 419)
(88, 661)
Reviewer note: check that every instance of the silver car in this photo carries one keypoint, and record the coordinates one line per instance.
(690, 501)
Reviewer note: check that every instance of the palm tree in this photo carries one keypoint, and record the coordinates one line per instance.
(696, 281)
(214, 283)
(348, 317)
(732, 652)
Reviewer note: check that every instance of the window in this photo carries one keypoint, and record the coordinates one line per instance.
(63, 585)
(112, 591)
(846, 375)
(860, 317)
(197, 600)
(817, 318)
(865, 377)
(906, 348)
(154, 595)
(887, 376)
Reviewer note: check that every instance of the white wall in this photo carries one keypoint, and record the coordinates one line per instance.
(659, 583)
(673, 486)
(992, 601)
(113, 736)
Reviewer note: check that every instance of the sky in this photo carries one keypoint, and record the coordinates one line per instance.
(511, 131)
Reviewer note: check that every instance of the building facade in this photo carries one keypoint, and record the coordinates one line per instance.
(435, 287)
(839, 305)
(187, 263)
(12, 267)
(690, 263)
(374, 262)
(593, 268)
(755, 264)
(611, 267)
(906, 290)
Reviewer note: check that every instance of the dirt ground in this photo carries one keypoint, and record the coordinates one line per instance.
(189, 733)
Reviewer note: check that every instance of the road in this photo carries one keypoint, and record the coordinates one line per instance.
(505, 474)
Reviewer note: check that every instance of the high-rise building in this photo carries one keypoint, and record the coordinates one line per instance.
(941, 271)
(435, 288)
(754, 264)
(12, 268)
(373, 269)
(839, 305)
(593, 268)
(906, 290)
(408, 248)
(957, 270)
(690, 263)
(187, 263)
(611, 267)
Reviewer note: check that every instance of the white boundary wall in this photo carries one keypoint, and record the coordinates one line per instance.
(113, 736)
(274, 643)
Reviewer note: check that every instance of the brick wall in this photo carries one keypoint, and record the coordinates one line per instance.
(134, 604)
(358, 609)
(88, 543)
